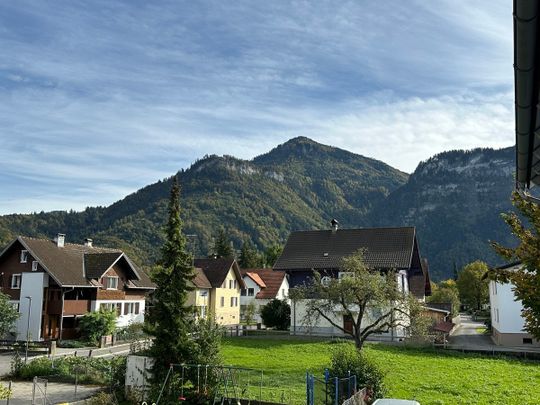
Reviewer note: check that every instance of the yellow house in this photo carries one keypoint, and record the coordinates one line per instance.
(218, 283)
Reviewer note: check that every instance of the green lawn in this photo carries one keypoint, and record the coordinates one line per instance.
(430, 377)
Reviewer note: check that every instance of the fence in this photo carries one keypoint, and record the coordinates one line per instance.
(333, 390)
(222, 385)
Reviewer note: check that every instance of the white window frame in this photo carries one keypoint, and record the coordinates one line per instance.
(24, 256)
(107, 282)
(16, 286)
(252, 291)
(34, 265)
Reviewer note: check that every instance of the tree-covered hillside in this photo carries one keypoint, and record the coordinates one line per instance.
(298, 185)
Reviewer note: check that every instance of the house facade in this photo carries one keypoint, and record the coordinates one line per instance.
(322, 251)
(262, 286)
(506, 320)
(218, 283)
(54, 283)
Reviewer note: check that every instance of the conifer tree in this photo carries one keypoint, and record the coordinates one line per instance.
(170, 320)
(222, 245)
(249, 257)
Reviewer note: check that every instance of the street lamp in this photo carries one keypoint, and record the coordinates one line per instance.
(28, 328)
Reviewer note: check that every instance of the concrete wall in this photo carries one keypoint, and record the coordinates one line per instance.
(505, 310)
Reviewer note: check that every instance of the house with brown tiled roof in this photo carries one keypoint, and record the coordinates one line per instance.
(385, 249)
(262, 285)
(54, 283)
(217, 283)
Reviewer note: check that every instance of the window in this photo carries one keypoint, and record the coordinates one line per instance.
(34, 265)
(137, 308)
(283, 294)
(118, 309)
(107, 306)
(497, 314)
(494, 288)
(527, 341)
(403, 283)
(16, 281)
(222, 301)
(234, 301)
(24, 256)
(251, 292)
(231, 284)
(235, 285)
(243, 292)
(111, 283)
(129, 308)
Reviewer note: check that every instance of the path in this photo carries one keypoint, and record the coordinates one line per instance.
(467, 334)
(56, 393)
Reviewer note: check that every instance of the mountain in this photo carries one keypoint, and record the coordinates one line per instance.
(298, 185)
(455, 200)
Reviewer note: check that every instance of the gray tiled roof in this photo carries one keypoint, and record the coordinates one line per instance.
(385, 248)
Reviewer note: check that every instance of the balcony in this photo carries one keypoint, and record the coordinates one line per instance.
(76, 307)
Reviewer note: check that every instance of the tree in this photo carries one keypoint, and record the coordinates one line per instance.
(472, 285)
(96, 324)
(222, 245)
(249, 257)
(276, 314)
(8, 315)
(271, 254)
(170, 320)
(446, 292)
(526, 280)
(371, 299)
(249, 313)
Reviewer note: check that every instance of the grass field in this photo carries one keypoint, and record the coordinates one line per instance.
(430, 377)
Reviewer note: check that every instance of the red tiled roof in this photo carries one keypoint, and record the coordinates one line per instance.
(270, 278)
(258, 280)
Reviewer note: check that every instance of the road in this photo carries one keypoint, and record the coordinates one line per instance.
(467, 334)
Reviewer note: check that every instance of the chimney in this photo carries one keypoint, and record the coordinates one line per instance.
(88, 242)
(335, 224)
(59, 239)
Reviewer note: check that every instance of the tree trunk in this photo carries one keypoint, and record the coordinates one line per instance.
(358, 342)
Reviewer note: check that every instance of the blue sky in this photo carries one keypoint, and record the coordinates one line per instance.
(100, 98)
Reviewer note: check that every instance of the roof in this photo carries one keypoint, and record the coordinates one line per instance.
(385, 248)
(200, 280)
(444, 326)
(77, 265)
(271, 279)
(216, 270)
(527, 83)
(252, 274)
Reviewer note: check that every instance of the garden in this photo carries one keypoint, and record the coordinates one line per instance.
(423, 374)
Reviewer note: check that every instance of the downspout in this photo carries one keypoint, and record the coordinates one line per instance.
(62, 313)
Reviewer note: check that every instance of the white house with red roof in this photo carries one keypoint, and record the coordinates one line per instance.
(262, 286)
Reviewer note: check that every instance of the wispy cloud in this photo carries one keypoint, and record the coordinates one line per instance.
(98, 99)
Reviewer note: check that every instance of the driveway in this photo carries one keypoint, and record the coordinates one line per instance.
(467, 334)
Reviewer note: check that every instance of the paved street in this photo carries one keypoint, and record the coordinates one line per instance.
(466, 334)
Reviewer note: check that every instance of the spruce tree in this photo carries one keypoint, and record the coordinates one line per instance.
(170, 319)
(222, 245)
(249, 257)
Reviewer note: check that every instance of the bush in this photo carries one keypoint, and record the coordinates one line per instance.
(345, 359)
(94, 325)
(4, 392)
(276, 314)
(74, 344)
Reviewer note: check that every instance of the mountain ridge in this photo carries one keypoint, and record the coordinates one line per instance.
(297, 185)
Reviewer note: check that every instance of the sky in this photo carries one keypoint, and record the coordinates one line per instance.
(100, 98)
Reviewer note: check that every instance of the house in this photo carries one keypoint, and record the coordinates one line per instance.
(217, 289)
(385, 249)
(262, 285)
(55, 283)
(507, 323)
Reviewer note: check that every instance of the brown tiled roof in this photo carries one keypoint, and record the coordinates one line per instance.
(67, 265)
(216, 270)
(444, 326)
(272, 280)
(200, 280)
(385, 248)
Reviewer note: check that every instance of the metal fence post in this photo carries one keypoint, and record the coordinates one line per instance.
(9, 394)
(336, 382)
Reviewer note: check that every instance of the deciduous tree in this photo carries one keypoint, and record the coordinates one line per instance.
(526, 280)
(370, 298)
(276, 314)
(8, 315)
(472, 285)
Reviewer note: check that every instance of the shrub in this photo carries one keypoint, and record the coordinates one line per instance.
(94, 325)
(276, 314)
(4, 392)
(74, 344)
(102, 398)
(345, 359)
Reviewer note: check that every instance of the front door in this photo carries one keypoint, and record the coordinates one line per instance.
(348, 323)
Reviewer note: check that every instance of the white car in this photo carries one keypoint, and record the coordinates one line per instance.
(390, 401)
